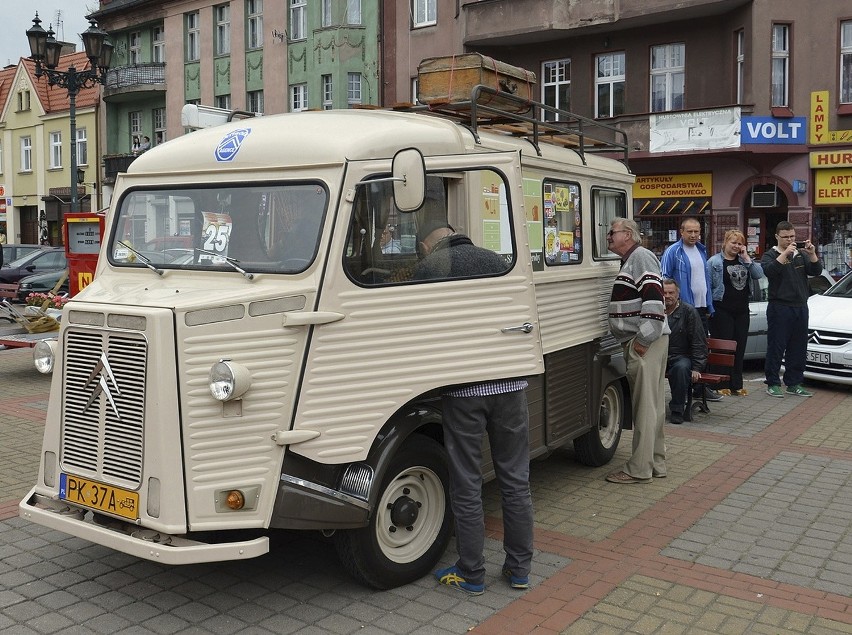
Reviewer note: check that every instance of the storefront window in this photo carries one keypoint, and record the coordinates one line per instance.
(833, 236)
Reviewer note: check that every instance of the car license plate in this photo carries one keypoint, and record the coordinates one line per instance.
(105, 498)
(819, 358)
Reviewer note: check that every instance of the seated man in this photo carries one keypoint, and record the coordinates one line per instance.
(687, 348)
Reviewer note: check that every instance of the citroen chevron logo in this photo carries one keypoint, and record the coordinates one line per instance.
(101, 377)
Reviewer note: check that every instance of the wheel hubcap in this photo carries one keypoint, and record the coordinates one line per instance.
(404, 511)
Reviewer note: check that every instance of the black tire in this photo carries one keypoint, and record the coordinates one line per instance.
(411, 522)
(598, 445)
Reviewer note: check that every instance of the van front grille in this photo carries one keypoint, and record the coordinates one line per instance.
(104, 405)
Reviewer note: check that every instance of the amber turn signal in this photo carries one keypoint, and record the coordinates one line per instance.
(235, 500)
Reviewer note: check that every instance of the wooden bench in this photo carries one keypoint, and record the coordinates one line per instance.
(720, 354)
(8, 291)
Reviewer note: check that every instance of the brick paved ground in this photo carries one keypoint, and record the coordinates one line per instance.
(750, 533)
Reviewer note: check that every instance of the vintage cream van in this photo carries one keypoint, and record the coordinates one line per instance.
(260, 350)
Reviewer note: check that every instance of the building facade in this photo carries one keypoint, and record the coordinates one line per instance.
(248, 55)
(737, 111)
(35, 151)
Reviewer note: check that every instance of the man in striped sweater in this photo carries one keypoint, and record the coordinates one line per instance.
(637, 319)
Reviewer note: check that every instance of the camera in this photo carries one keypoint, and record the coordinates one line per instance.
(800, 244)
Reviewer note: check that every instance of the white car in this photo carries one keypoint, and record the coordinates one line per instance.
(756, 342)
(830, 334)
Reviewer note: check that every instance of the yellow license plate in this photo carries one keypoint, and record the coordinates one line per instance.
(105, 498)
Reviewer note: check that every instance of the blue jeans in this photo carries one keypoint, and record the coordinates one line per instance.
(787, 340)
(679, 370)
(505, 419)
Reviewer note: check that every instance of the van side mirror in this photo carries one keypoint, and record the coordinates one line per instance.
(409, 179)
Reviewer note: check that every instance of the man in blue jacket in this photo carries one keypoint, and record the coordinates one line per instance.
(685, 262)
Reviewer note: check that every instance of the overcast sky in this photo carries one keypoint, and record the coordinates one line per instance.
(18, 17)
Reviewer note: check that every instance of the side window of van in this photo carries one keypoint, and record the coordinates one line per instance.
(462, 230)
(563, 234)
(606, 205)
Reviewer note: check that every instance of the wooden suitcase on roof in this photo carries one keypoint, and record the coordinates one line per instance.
(449, 80)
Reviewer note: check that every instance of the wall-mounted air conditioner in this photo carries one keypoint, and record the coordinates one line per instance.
(764, 198)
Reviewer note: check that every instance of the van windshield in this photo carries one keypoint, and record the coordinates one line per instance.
(263, 228)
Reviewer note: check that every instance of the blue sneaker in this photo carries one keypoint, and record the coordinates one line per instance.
(514, 581)
(451, 577)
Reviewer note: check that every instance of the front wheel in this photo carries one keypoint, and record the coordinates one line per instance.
(411, 523)
(598, 445)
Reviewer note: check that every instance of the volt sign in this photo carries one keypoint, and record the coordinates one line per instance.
(773, 130)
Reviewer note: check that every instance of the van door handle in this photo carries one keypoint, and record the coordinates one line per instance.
(526, 327)
(305, 318)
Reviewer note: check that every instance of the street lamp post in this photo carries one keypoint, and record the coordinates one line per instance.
(45, 51)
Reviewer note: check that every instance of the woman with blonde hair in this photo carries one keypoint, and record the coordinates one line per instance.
(730, 272)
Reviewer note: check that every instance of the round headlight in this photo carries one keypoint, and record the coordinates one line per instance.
(44, 354)
(228, 380)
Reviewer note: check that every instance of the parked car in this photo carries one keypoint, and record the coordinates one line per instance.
(38, 261)
(756, 343)
(13, 252)
(42, 283)
(830, 334)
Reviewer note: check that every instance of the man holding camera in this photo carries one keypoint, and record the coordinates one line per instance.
(787, 267)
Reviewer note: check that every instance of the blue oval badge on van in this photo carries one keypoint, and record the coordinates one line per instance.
(230, 145)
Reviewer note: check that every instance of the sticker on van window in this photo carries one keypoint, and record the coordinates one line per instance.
(230, 144)
(217, 234)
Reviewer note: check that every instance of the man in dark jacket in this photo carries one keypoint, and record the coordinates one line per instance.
(687, 348)
(787, 267)
(497, 408)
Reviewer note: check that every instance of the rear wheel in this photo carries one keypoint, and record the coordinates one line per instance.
(411, 523)
(598, 445)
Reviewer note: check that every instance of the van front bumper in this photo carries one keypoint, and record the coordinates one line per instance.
(133, 539)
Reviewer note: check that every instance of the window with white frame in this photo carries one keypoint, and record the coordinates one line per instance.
(327, 92)
(781, 65)
(298, 19)
(26, 154)
(134, 47)
(135, 125)
(424, 12)
(846, 62)
(254, 101)
(222, 101)
(55, 149)
(353, 89)
(158, 45)
(556, 86)
(193, 37)
(223, 29)
(609, 82)
(327, 18)
(159, 115)
(82, 146)
(254, 23)
(299, 97)
(740, 38)
(668, 77)
(353, 11)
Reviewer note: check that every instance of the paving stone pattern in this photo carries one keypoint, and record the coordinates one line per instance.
(749, 533)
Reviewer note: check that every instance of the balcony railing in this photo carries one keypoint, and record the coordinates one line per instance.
(134, 76)
(115, 163)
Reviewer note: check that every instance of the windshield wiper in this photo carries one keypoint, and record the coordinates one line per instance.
(231, 261)
(145, 260)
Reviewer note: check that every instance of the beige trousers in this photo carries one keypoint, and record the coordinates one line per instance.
(647, 378)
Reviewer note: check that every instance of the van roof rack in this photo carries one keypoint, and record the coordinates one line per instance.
(534, 121)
